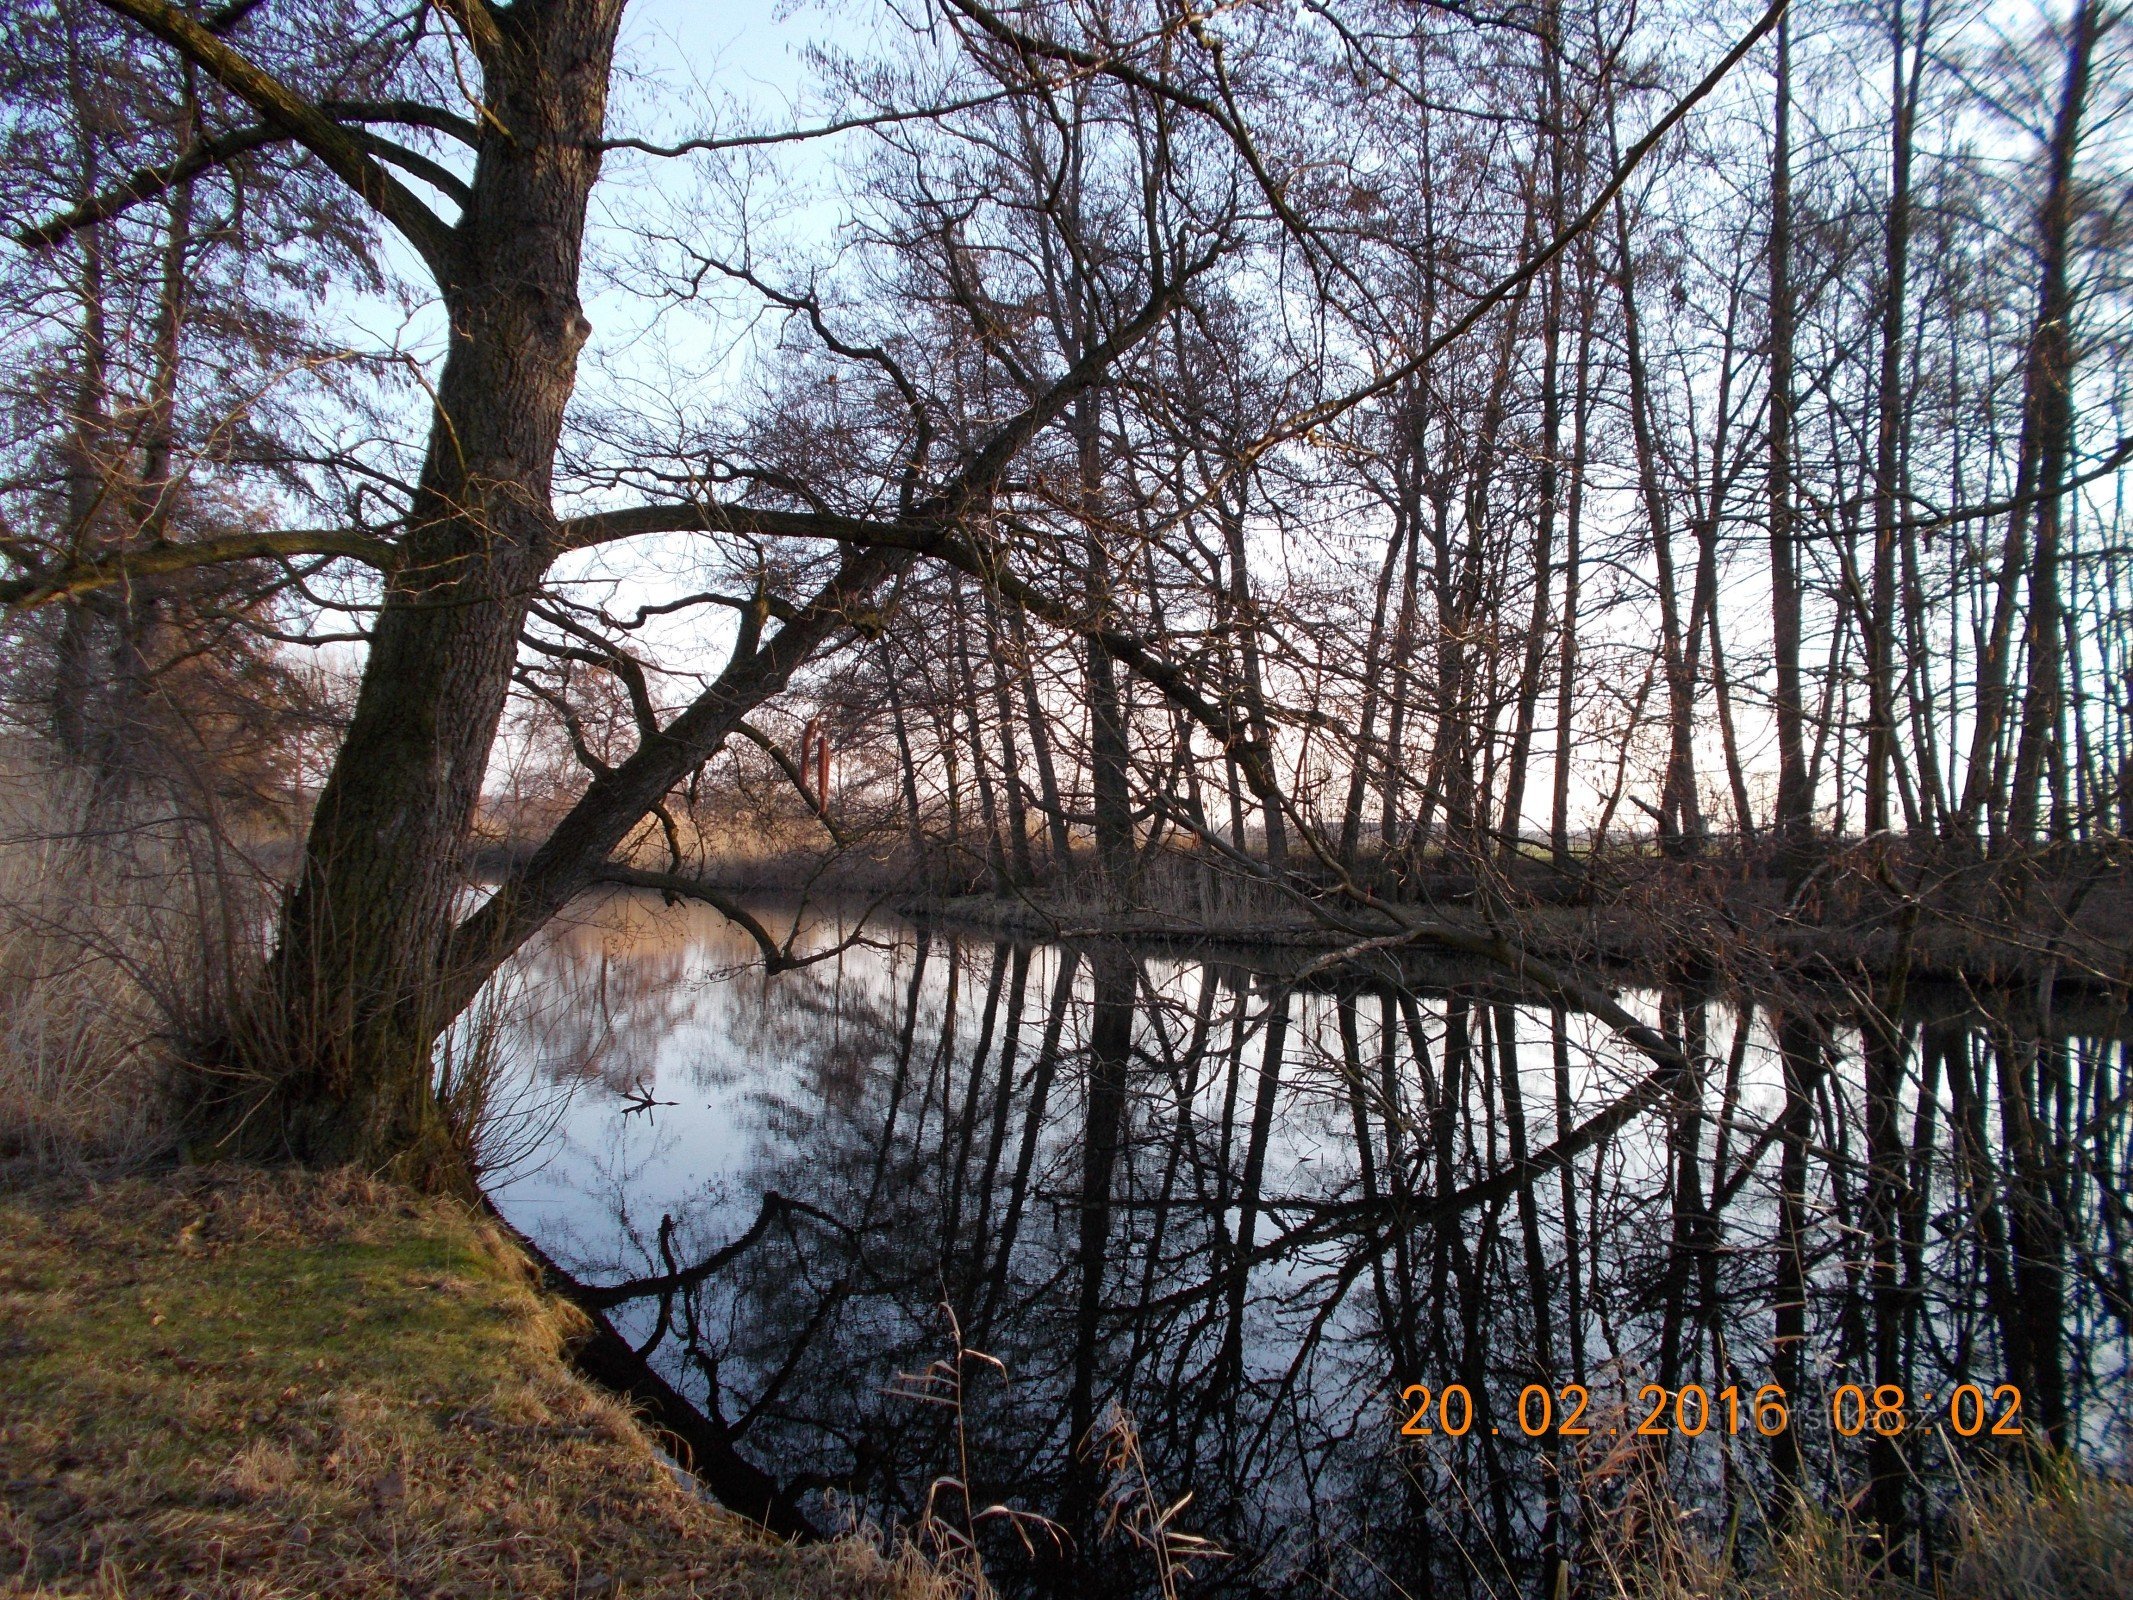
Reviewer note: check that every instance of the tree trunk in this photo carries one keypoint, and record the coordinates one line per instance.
(1040, 746)
(1244, 615)
(339, 1034)
(1681, 819)
(1391, 773)
(1795, 797)
(1530, 670)
(906, 769)
(1703, 597)
(1010, 757)
(74, 672)
(1366, 724)
(1573, 558)
(1109, 751)
(2047, 439)
(966, 692)
(1888, 432)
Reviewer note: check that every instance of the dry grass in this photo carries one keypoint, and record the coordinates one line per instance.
(235, 1383)
(122, 925)
(2062, 1531)
(2050, 1528)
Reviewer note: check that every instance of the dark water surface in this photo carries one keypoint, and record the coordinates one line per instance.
(1248, 1216)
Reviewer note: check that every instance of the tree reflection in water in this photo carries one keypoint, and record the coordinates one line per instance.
(1252, 1214)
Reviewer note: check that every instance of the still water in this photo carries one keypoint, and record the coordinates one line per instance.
(1261, 1227)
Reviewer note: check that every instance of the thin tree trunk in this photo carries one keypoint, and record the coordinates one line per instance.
(74, 671)
(1573, 529)
(1366, 724)
(1025, 871)
(907, 773)
(966, 691)
(1530, 671)
(2046, 442)
(1244, 616)
(1392, 771)
(1040, 744)
(1795, 798)
(1881, 752)
(1108, 749)
(1681, 820)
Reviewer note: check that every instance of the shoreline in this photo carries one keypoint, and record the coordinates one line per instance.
(1621, 946)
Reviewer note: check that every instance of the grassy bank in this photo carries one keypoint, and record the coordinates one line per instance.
(251, 1384)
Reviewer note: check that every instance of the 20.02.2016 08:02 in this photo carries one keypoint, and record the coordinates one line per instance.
(1692, 1410)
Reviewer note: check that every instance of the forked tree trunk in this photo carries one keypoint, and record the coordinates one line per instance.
(339, 1034)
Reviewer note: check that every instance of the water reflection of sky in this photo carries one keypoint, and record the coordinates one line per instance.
(687, 1067)
(944, 1131)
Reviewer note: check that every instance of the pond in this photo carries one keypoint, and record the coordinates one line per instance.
(1348, 1262)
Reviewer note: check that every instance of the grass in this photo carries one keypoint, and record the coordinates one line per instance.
(2047, 1526)
(124, 924)
(236, 1383)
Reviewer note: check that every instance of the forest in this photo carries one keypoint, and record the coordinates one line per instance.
(1603, 493)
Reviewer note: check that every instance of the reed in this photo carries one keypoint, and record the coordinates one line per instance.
(125, 923)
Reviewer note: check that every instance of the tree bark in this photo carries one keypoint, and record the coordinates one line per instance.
(2046, 442)
(1681, 818)
(1795, 797)
(342, 1024)
(1881, 752)
(1535, 661)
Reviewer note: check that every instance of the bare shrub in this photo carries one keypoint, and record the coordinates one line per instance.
(2048, 1525)
(125, 924)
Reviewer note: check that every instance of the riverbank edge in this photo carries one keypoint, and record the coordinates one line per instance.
(221, 1381)
(1626, 941)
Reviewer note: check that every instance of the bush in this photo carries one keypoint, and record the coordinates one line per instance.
(124, 925)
